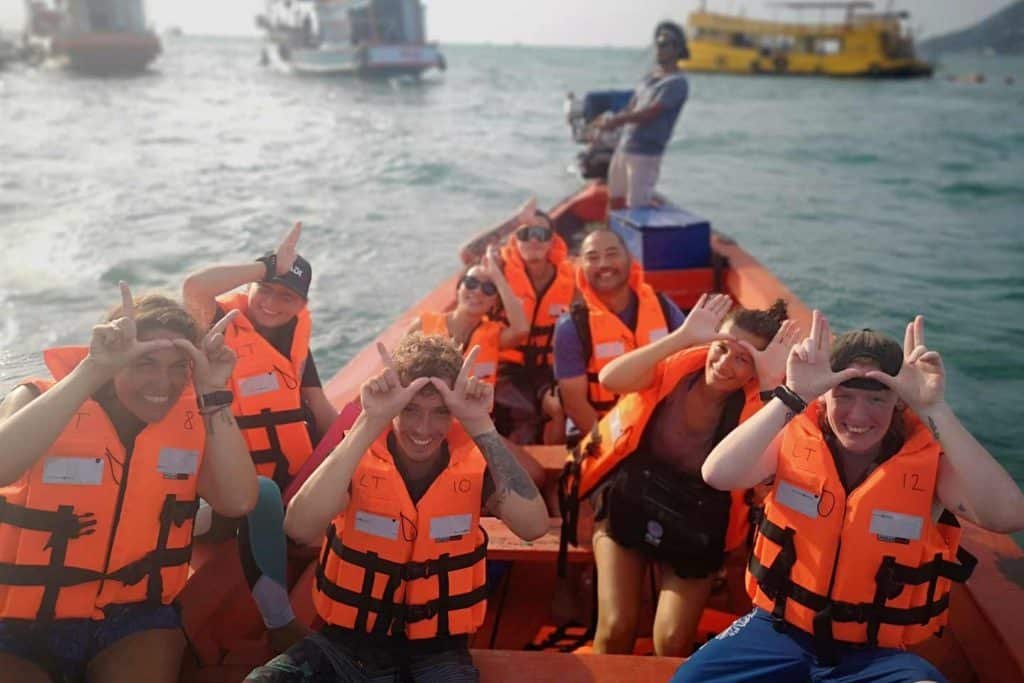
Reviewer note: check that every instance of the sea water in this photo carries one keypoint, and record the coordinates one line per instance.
(873, 201)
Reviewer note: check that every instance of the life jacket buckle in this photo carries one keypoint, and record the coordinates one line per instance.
(424, 612)
(419, 570)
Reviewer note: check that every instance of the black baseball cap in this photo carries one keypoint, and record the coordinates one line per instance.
(866, 344)
(297, 279)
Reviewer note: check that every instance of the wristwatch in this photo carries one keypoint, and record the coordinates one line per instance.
(790, 398)
(766, 395)
(215, 399)
(270, 263)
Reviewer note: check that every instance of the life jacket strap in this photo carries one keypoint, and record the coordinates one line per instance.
(569, 508)
(64, 525)
(270, 420)
(173, 513)
(776, 583)
(391, 616)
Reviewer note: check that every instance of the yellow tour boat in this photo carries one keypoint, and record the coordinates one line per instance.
(864, 44)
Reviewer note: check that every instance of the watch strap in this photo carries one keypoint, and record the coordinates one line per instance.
(790, 398)
(766, 395)
(270, 263)
(215, 399)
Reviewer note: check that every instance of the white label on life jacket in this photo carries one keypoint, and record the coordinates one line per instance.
(804, 502)
(86, 471)
(893, 525)
(177, 463)
(612, 349)
(555, 310)
(450, 527)
(377, 525)
(657, 334)
(615, 423)
(482, 370)
(258, 384)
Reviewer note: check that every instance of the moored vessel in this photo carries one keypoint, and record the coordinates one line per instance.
(863, 43)
(361, 37)
(102, 37)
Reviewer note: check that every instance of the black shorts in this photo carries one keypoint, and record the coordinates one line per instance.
(668, 516)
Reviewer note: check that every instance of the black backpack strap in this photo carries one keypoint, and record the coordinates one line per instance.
(580, 315)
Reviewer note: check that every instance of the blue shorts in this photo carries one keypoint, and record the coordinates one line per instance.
(752, 650)
(64, 648)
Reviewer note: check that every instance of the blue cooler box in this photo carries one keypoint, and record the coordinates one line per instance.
(664, 238)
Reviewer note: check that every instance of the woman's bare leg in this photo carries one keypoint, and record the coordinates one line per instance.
(21, 670)
(153, 655)
(620, 581)
(680, 603)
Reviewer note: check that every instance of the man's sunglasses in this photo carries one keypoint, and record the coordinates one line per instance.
(534, 232)
(487, 287)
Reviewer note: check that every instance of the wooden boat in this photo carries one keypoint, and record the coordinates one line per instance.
(862, 44)
(100, 37)
(528, 607)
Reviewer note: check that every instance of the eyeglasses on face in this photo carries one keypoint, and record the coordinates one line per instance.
(534, 232)
(486, 286)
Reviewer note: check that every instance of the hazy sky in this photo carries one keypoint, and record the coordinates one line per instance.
(544, 22)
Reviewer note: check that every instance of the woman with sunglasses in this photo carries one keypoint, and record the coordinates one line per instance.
(535, 261)
(482, 292)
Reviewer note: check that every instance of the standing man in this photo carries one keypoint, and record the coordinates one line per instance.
(647, 123)
(279, 404)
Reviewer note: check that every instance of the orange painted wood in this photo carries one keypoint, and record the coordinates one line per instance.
(505, 545)
(503, 666)
(551, 458)
(683, 286)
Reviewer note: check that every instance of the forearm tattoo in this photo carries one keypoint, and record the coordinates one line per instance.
(508, 474)
(934, 427)
(223, 416)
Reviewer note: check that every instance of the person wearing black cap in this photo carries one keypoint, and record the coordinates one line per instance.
(647, 122)
(279, 404)
(859, 542)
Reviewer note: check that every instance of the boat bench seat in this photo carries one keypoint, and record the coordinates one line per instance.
(513, 666)
(496, 666)
(505, 545)
(551, 458)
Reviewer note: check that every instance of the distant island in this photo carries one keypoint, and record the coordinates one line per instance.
(1001, 33)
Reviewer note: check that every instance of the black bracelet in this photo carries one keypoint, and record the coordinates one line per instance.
(215, 399)
(790, 398)
(270, 263)
(766, 395)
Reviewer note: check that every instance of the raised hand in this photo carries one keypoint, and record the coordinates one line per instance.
(527, 213)
(701, 325)
(808, 371)
(921, 382)
(115, 344)
(771, 362)
(470, 400)
(214, 361)
(383, 396)
(286, 250)
(489, 264)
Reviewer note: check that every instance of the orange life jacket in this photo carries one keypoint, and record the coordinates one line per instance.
(268, 393)
(486, 335)
(869, 566)
(619, 434)
(89, 525)
(609, 337)
(392, 567)
(542, 308)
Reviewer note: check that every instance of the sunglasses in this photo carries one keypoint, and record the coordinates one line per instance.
(487, 287)
(665, 43)
(534, 232)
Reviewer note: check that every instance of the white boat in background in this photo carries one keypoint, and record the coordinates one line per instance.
(362, 37)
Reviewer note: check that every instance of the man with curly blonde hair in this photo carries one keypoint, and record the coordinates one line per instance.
(401, 582)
